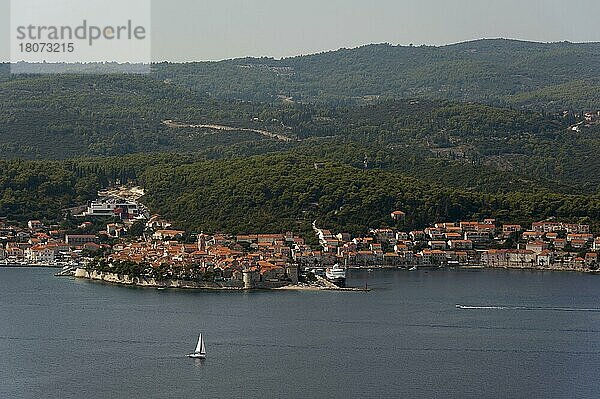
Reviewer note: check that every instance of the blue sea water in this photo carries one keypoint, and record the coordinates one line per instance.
(517, 334)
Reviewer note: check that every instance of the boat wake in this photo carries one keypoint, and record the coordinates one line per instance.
(465, 307)
(527, 308)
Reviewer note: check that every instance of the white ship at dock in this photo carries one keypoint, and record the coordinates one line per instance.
(336, 275)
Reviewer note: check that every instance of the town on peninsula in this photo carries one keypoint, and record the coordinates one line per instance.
(118, 240)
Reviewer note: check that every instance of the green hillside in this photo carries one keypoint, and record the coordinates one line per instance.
(275, 192)
(488, 71)
(467, 130)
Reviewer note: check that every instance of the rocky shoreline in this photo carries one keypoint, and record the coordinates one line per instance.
(320, 285)
(144, 282)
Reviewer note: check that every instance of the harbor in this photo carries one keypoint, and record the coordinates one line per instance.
(116, 239)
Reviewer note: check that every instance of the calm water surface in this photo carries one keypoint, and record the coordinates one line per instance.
(528, 335)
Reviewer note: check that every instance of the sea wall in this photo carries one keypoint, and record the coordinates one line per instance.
(154, 283)
(554, 268)
(173, 283)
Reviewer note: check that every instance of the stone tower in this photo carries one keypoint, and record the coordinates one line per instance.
(202, 242)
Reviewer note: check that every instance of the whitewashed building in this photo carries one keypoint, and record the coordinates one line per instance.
(40, 254)
(113, 206)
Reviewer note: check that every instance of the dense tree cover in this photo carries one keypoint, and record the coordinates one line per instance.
(437, 158)
(577, 94)
(67, 116)
(523, 144)
(441, 170)
(271, 193)
(549, 76)
(284, 191)
(40, 190)
(489, 71)
(45, 189)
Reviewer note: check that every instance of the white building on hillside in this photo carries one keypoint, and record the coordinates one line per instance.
(113, 206)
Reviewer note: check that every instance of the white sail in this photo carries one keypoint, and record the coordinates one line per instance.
(200, 345)
(202, 348)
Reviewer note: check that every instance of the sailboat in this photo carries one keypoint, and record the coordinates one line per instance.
(200, 352)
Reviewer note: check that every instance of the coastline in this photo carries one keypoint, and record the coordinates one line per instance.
(321, 284)
(144, 282)
(544, 269)
(427, 267)
(481, 267)
(41, 265)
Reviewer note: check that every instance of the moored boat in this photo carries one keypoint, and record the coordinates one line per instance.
(336, 275)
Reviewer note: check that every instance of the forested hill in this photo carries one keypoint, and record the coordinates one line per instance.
(275, 192)
(539, 76)
(550, 76)
(477, 127)
(52, 116)
(62, 117)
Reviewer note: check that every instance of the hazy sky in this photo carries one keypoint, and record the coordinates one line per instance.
(184, 30)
